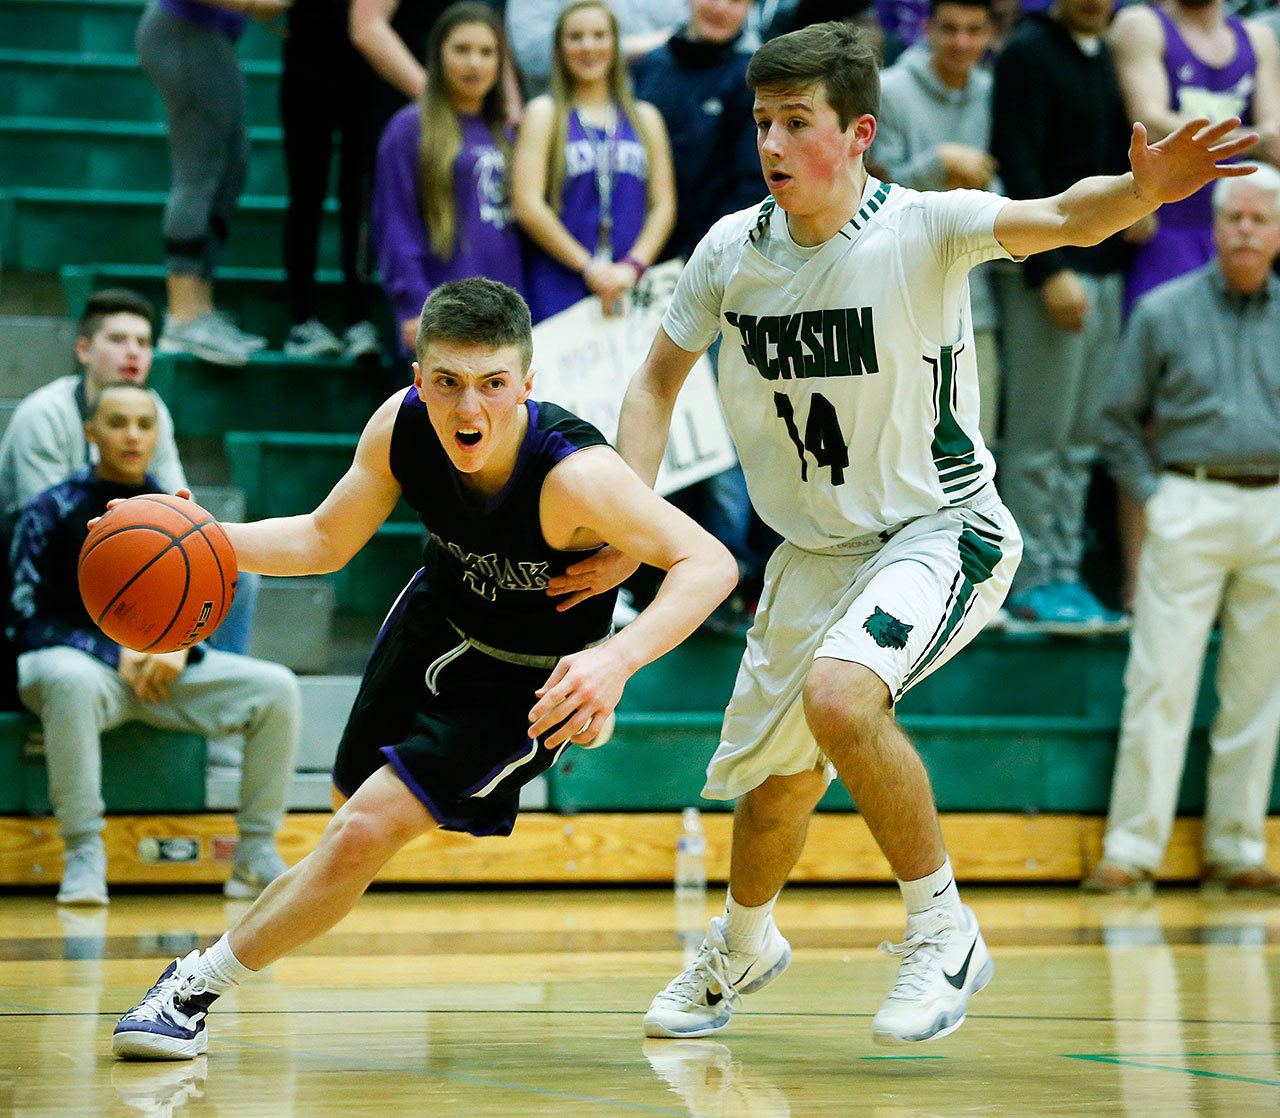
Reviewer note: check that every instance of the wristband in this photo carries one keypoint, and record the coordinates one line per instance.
(635, 265)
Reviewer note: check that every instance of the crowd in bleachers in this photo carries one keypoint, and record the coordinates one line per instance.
(564, 148)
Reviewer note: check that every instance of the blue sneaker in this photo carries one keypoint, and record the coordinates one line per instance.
(1050, 609)
(169, 1023)
(1102, 619)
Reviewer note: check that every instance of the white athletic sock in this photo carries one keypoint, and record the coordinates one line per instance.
(744, 926)
(938, 890)
(220, 968)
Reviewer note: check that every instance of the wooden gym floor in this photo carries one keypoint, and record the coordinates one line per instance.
(529, 1003)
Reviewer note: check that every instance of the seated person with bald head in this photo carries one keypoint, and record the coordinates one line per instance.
(80, 683)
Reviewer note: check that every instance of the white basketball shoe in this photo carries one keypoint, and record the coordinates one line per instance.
(944, 963)
(701, 998)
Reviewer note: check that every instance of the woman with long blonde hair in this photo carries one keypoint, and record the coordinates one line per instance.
(593, 185)
(441, 206)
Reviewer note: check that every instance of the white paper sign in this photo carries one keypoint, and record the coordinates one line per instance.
(584, 361)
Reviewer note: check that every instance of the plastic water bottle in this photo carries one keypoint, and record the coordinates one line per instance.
(691, 855)
(691, 884)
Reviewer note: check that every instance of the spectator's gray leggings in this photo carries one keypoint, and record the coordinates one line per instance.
(198, 75)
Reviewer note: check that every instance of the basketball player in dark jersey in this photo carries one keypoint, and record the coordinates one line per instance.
(479, 678)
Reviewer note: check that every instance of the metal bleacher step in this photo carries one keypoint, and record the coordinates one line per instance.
(56, 153)
(103, 26)
(109, 86)
(47, 229)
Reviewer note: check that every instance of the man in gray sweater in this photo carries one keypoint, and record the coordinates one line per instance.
(45, 440)
(934, 130)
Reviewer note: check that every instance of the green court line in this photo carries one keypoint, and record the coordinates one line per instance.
(1123, 1061)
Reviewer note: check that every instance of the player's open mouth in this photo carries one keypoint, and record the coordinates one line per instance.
(777, 178)
(468, 436)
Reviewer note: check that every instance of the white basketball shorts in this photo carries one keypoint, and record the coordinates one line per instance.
(901, 607)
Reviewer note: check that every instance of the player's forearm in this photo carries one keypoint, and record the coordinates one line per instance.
(1098, 207)
(285, 545)
(690, 590)
(644, 425)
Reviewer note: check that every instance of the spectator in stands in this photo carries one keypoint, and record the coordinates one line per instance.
(697, 81)
(325, 91)
(46, 442)
(1057, 115)
(442, 207)
(1181, 60)
(188, 49)
(934, 129)
(593, 184)
(1199, 359)
(392, 35)
(80, 683)
(644, 25)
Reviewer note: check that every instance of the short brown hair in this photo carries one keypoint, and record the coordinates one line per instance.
(114, 300)
(835, 56)
(476, 311)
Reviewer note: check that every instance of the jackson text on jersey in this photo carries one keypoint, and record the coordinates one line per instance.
(839, 342)
(487, 574)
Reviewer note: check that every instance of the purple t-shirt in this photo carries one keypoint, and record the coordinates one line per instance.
(231, 24)
(551, 286)
(1184, 233)
(486, 242)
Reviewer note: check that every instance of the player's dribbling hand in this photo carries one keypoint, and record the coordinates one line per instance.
(185, 494)
(606, 569)
(578, 697)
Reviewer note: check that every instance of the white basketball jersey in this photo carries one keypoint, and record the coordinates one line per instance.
(848, 378)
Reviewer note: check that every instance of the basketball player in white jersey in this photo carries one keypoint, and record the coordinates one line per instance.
(849, 384)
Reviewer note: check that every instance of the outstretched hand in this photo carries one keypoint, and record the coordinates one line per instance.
(578, 698)
(1187, 159)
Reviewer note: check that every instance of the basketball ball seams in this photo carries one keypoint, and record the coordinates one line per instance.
(182, 602)
(141, 583)
(127, 528)
(222, 574)
(175, 541)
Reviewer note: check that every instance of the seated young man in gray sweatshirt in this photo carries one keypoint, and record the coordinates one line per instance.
(935, 128)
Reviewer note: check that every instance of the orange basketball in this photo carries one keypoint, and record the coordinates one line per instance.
(157, 573)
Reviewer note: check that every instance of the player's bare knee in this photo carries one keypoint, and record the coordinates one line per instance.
(845, 705)
(357, 840)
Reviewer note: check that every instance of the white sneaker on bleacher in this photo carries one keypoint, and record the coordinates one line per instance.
(701, 998)
(944, 963)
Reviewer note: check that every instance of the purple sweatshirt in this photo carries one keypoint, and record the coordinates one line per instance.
(231, 24)
(486, 242)
(553, 287)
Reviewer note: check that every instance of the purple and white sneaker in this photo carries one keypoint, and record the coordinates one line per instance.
(169, 1023)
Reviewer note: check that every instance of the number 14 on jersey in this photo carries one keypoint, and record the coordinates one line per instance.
(822, 435)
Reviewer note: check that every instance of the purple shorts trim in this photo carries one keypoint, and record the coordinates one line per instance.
(446, 822)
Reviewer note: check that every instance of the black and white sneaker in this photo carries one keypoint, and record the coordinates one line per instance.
(944, 963)
(700, 1000)
(169, 1023)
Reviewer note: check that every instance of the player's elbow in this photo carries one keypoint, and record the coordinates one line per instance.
(722, 570)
